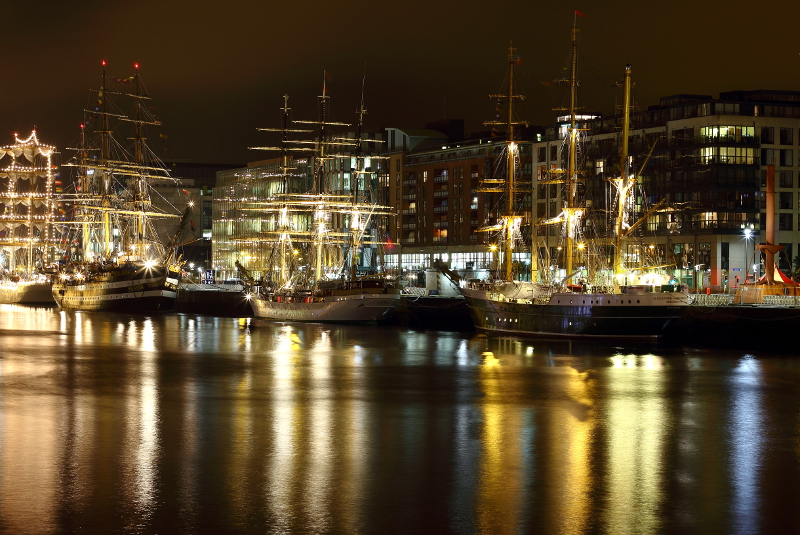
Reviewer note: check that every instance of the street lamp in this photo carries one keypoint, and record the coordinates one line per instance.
(748, 234)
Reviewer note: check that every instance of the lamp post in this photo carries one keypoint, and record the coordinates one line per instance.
(748, 234)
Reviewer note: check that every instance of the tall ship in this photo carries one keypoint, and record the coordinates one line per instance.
(576, 306)
(117, 259)
(29, 238)
(315, 237)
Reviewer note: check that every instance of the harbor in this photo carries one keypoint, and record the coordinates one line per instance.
(419, 268)
(181, 423)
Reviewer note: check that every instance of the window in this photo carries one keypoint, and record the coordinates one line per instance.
(785, 200)
(767, 157)
(727, 132)
(785, 222)
(726, 108)
(787, 157)
(767, 135)
(785, 257)
(542, 154)
(786, 179)
(787, 136)
(541, 208)
(553, 152)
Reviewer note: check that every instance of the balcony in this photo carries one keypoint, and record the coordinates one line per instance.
(410, 197)
(440, 178)
(408, 241)
(693, 161)
(440, 224)
(441, 193)
(749, 141)
(409, 211)
(440, 239)
(440, 209)
(410, 182)
(409, 226)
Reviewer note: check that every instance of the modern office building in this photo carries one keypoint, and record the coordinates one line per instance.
(243, 229)
(195, 182)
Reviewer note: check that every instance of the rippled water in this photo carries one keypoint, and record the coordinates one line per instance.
(190, 424)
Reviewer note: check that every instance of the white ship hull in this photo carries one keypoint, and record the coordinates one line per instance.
(26, 293)
(353, 308)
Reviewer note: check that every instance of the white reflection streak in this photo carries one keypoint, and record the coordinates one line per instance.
(746, 443)
(636, 427)
(281, 462)
(462, 354)
(321, 451)
(188, 495)
(145, 421)
(355, 453)
(78, 327)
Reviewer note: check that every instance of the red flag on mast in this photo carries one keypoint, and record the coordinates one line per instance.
(578, 13)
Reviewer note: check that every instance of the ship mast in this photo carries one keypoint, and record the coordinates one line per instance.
(510, 221)
(624, 182)
(319, 185)
(573, 214)
(356, 177)
(105, 154)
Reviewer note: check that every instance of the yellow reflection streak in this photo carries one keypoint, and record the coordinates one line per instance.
(350, 433)
(570, 453)
(636, 428)
(142, 417)
(499, 484)
(318, 492)
(29, 456)
(286, 425)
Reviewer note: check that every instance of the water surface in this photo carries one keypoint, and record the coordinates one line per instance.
(189, 424)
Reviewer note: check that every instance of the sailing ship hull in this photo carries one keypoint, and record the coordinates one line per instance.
(643, 317)
(143, 290)
(362, 308)
(26, 293)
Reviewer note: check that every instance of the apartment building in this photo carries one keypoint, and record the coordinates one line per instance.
(433, 186)
(707, 162)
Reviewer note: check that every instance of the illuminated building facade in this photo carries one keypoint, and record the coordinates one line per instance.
(243, 226)
(434, 188)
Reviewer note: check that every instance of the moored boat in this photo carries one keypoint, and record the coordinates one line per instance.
(559, 309)
(29, 240)
(118, 261)
(316, 235)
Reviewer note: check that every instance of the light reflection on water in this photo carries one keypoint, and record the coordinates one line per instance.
(180, 423)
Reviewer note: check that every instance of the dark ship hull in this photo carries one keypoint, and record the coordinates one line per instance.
(129, 288)
(642, 317)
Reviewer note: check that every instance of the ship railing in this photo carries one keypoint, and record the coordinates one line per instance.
(782, 300)
(711, 300)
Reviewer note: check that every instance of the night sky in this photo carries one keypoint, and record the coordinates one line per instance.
(218, 70)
